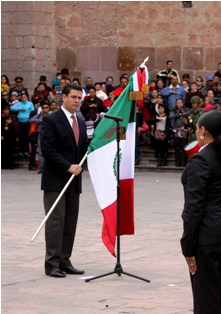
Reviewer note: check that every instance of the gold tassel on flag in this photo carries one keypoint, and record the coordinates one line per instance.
(136, 95)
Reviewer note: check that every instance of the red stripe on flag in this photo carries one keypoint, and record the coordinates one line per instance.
(109, 229)
(127, 206)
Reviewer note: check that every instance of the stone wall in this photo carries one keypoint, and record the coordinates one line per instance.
(28, 40)
(101, 38)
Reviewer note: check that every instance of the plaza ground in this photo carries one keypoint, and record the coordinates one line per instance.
(153, 252)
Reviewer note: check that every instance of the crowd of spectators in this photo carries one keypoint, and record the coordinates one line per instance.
(166, 115)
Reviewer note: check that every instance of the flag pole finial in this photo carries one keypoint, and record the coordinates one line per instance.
(143, 63)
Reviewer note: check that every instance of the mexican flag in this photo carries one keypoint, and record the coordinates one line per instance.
(102, 166)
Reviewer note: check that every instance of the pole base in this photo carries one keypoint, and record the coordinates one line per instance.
(117, 270)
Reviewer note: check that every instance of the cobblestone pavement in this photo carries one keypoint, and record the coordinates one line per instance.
(153, 252)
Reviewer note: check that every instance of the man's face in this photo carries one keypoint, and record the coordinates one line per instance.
(174, 81)
(195, 105)
(216, 79)
(219, 67)
(169, 65)
(92, 93)
(72, 101)
(89, 82)
(53, 106)
(18, 83)
(45, 109)
(209, 83)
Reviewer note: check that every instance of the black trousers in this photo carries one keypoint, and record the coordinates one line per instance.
(206, 283)
(60, 228)
(23, 136)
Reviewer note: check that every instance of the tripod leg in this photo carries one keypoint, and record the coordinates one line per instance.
(100, 276)
(134, 276)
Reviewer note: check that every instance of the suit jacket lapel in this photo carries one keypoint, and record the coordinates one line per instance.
(63, 119)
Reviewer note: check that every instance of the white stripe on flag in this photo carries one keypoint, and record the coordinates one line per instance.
(127, 163)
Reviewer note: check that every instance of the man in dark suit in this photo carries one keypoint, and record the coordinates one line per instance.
(64, 143)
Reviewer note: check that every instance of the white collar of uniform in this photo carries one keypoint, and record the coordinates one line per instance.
(202, 147)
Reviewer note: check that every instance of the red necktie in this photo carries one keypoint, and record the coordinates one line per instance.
(75, 129)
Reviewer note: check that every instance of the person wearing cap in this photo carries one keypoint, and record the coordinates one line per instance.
(193, 117)
(201, 238)
(209, 86)
(19, 88)
(13, 99)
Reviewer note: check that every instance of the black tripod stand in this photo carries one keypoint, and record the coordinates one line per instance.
(118, 268)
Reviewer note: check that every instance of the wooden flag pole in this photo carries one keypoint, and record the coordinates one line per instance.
(56, 202)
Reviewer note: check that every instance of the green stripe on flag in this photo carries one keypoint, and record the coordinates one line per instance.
(122, 107)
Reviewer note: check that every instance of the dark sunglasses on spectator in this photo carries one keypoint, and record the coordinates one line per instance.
(45, 107)
(4, 94)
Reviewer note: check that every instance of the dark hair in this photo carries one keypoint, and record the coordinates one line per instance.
(92, 87)
(186, 75)
(67, 88)
(97, 83)
(211, 121)
(44, 102)
(179, 99)
(52, 101)
(124, 75)
(24, 93)
(41, 83)
(168, 61)
(109, 77)
(76, 79)
(7, 79)
(43, 78)
(65, 71)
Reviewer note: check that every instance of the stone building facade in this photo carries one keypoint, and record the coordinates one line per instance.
(101, 38)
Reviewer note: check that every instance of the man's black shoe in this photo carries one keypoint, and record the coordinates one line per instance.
(55, 272)
(71, 270)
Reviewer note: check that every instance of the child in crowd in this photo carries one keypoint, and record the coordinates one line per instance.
(160, 126)
(207, 105)
(13, 99)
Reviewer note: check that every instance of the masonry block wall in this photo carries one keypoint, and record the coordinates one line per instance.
(28, 40)
(101, 38)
